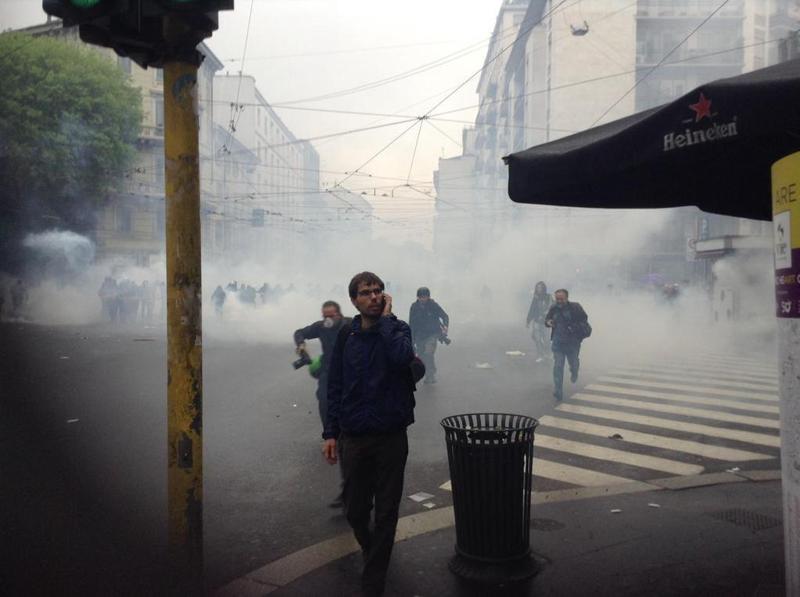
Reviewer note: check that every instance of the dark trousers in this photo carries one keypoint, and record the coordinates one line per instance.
(373, 467)
(563, 352)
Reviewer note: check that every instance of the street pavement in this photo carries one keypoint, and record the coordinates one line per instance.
(84, 432)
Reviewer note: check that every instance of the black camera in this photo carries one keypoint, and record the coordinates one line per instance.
(444, 339)
(302, 361)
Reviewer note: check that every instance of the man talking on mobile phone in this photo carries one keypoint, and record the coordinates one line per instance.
(370, 404)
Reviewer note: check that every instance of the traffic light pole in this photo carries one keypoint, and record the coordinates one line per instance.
(184, 318)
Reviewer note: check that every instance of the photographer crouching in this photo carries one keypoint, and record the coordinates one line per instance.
(429, 324)
(326, 330)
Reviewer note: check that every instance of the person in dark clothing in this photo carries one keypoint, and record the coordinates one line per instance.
(564, 320)
(370, 404)
(327, 331)
(428, 323)
(540, 305)
(218, 298)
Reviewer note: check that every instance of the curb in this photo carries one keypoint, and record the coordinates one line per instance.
(289, 568)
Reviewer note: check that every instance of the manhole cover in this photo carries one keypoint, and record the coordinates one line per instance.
(546, 524)
(745, 518)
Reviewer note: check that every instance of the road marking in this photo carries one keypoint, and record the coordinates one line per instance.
(630, 372)
(761, 439)
(702, 390)
(718, 367)
(681, 410)
(573, 474)
(610, 454)
(654, 441)
(739, 361)
(732, 404)
(698, 370)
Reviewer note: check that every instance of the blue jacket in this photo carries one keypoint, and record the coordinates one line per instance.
(370, 389)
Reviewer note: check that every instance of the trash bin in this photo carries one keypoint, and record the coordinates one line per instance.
(491, 458)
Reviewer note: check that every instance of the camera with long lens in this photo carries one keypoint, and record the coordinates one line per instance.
(302, 361)
(443, 339)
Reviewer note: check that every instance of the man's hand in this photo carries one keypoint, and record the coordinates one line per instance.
(444, 330)
(548, 323)
(387, 305)
(300, 348)
(329, 451)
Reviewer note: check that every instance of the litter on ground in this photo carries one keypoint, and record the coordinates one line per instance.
(421, 496)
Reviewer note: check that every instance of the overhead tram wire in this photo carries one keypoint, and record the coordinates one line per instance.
(416, 70)
(605, 77)
(660, 62)
(414, 153)
(235, 109)
(454, 91)
(337, 52)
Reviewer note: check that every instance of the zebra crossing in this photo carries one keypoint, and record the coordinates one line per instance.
(643, 421)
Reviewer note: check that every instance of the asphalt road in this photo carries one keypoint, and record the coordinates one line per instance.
(83, 425)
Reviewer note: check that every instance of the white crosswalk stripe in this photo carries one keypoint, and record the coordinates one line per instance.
(701, 390)
(727, 404)
(679, 410)
(614, 455)
(727, 368)
(760, 439)
(694, 368)
(718, 381)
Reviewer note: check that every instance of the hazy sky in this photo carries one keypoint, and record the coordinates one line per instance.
(302, 48)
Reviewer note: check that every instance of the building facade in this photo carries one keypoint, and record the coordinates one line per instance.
(582, 65)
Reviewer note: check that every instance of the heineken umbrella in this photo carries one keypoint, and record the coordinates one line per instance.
(712, 148)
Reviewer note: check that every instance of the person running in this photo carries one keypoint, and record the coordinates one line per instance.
(429, 323)
(568, 323)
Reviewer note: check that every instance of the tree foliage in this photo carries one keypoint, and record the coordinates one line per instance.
(69, 120)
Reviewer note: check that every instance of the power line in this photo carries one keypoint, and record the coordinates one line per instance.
(660, 62)
(414, 153)
(339, 52)
(235, 109)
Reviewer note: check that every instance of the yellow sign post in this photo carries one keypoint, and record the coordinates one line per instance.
(786, 223)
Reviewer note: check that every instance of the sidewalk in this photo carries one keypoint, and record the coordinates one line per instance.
(723, 539)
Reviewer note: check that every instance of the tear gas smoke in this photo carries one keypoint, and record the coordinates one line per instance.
(588, 252)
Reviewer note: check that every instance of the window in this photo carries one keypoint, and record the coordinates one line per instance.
(158, 111)
(158, 76)
(124, 219)
(124, 64)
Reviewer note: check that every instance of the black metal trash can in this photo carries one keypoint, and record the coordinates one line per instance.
(491, 460)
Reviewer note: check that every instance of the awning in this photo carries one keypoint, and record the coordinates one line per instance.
(712, 148)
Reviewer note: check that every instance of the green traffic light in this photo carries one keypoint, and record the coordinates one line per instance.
(85, 3)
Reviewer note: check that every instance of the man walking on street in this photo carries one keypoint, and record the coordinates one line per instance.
(428, 323)
(540, 305)
(370, 404)
(569, 325)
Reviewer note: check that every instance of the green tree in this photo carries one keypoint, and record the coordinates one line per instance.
(69, 120)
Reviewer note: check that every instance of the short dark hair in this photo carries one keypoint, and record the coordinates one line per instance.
(564, 290)
(332, 304)
(423, 291)
(363, 278)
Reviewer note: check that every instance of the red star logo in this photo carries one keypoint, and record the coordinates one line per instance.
(702, 108)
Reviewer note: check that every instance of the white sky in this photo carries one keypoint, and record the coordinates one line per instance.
(342, 36)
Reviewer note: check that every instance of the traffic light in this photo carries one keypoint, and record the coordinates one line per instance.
(136, 28)
(77, 12)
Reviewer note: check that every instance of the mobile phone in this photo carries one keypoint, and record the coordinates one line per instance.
(383, 301)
